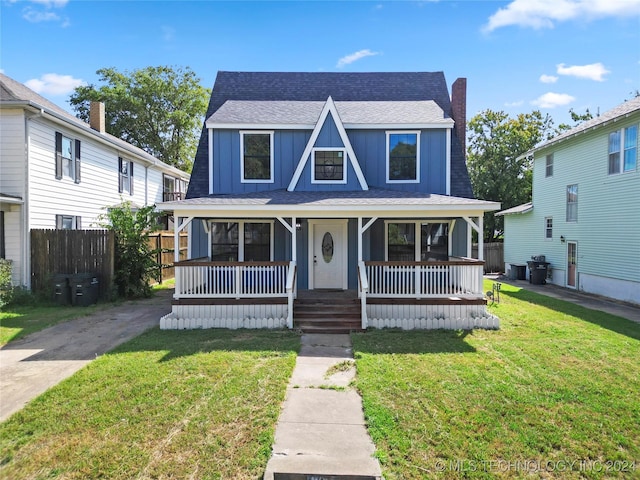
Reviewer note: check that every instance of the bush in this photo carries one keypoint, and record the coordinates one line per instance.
(135, 260)
(10, 294)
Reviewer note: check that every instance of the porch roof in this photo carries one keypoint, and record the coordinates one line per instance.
(374, 201)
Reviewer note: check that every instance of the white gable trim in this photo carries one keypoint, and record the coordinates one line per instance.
(329, 107)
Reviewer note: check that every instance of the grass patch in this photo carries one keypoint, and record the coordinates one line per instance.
(553, 394)
(343, 366)
(168, 404)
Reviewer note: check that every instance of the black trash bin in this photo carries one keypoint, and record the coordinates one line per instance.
(84, 289)
(538, 272)
(61, 289)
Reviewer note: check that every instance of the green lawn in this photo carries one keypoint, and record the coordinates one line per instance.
(555, 393)
(168, 404)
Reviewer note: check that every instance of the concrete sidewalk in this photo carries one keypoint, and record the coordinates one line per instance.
(321, 431)
(33, 364)
(594, 302)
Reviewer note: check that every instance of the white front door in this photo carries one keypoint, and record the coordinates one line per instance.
(328, 254)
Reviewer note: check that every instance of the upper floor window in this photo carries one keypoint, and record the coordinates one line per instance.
(623, 150)
(125, 176)
(403, 157)
(549, 166)
(67, 158)
(548, 228)
(172, 188)
(256, 152)
(329, 166)
(572, 203)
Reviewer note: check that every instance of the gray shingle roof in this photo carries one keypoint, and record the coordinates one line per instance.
(318, 86)
(626, 108)
(284, 112)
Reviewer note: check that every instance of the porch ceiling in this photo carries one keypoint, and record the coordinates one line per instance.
(367, 203)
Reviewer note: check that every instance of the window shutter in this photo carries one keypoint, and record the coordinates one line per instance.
(58, 155)
(78, 222)
(120, 174)
(77, 169)
(131, 178)
(58, 222)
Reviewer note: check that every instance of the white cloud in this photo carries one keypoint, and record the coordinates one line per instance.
(546, 13)
(37, 16)
(548, 79)
(43, 11)
(553, 100)
(54, 84)
(348, 59)
(594, 71)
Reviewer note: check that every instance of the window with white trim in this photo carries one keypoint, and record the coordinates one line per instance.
(572, 203)
(256, 244)
(549, 166)
(548, 228)
(329, 165)
(68, 222)
(623, 150)
(125, 176)
(256, 157)
(67, 157)
(403, 157)
(409, 241)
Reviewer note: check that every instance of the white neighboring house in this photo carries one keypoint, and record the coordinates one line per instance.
(585, 213)
(57, 171)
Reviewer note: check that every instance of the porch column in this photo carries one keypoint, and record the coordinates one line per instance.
(294, 240)
(360, 233)
(480, 237)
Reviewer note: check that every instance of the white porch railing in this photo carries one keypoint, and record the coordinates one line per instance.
(458, 277)
(199, 279)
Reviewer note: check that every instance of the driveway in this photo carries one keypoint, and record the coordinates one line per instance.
(31, 365)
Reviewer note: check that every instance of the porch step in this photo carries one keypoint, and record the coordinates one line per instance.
(327, 311)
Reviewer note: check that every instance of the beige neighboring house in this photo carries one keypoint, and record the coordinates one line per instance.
(58, 172)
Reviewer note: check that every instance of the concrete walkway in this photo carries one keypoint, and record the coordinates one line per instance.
(594, 302)
(33, 364)
(321, 431)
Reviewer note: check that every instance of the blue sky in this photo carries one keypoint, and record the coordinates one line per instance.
(517, 55)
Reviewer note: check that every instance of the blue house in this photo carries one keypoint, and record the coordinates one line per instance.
(343, 194)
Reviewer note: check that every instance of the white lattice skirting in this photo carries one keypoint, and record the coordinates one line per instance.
(189, 317)
(429, 317)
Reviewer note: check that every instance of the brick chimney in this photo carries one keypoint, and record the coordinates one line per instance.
(459, 111)
(96, 116)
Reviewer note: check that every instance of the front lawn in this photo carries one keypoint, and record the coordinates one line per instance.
(168, 404)
(555, 393)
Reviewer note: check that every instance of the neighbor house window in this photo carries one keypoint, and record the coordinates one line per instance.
(329, 166)
(125, 176)
(67, 158)
(256, 152)
(68, 222)
(548, 228)
(623, 150)
(630, 148)
(549, 166)
(572, 203)
(403, 159)
(256, 245)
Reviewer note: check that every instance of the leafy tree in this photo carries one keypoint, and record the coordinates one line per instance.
(158, 109)
(498, 168)
(135, 260)
(576, 118)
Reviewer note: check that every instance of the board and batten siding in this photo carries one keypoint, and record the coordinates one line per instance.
(97, 189)
(607, 232)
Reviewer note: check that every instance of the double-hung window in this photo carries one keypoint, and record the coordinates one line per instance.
(125, 176)
(403, 157)
(256, 157)
(549, 166)
(329, 165)
(623, 150)
(68, 222)
(548, 228)
(67, 158)
(409, 241)
(241, 241)
(572, 203)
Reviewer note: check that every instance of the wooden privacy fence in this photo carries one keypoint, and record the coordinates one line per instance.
(164, 243)
(69, 252)
(493, 256)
